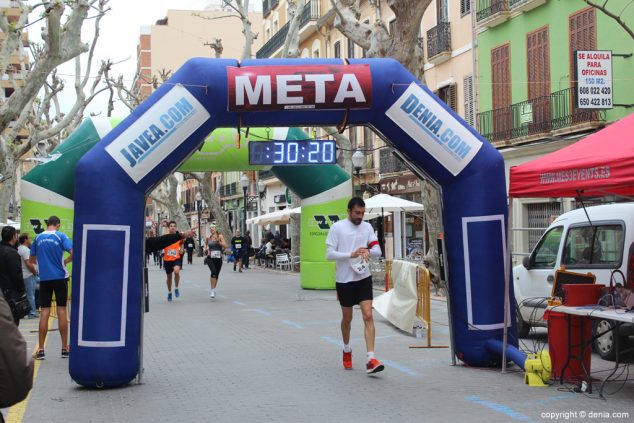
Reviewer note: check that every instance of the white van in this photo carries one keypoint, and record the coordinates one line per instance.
(597, 240)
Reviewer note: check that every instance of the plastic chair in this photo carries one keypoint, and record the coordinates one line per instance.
(282, 261)
(295, 262)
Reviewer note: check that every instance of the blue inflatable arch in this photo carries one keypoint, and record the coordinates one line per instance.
(114, 178)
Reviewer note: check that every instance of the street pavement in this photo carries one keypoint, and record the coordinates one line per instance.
(265, 350)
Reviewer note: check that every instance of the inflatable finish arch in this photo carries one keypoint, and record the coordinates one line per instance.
(114, 177)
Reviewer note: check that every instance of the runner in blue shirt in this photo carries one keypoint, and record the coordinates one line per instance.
(47, 251)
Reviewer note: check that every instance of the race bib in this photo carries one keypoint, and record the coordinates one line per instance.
(359, 265)
(238, 246)
(215, 254)
(190, 245)
(172, 253)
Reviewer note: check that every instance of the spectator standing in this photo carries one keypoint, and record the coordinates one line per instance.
(11, 281)
(16, 366)
(29, 272)
(189, 248)
(248, 249)
(48, 252)
(350, 243)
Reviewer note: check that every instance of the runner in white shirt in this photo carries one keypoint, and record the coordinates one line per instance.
(350, 243)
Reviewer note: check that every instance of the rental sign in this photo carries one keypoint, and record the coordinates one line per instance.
(594, 79)
(259, 88)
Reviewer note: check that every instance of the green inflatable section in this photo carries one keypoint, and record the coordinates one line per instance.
(49, 188)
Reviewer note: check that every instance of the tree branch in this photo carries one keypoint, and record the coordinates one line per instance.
(603, 8)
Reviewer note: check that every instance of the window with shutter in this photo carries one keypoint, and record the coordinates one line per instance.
(337, 48)
(465, 7)
(350, 48)
(501, 90)
(469, 105)
(582, 28)
(538, 67)
(448, 95)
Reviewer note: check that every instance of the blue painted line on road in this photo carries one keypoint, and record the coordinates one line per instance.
(333, 340)
(293, 324)
(530, 404)
(264, 312)
(500, 408)
(393, 365)
(239, 303)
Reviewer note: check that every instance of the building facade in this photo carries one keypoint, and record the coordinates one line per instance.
(446, 35)
(526, 86)
(161, 50)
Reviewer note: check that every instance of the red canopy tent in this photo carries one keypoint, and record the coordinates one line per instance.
(599, 164)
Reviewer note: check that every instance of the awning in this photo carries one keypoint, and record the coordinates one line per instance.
(600, 163)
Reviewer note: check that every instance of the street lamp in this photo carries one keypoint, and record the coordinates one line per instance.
(244, 183)
(358, 160)
(199, 201)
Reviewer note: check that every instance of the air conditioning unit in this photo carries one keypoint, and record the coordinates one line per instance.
(279, 199)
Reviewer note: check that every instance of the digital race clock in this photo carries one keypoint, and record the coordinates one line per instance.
(292, 152)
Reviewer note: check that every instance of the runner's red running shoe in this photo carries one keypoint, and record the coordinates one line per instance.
(373, 366)
(347, 360)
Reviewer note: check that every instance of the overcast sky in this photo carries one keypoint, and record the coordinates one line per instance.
(119, 35)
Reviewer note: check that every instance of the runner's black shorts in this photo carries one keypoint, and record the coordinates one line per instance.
(168, 265)
(59, 287)
(352, 293)
(214, 264)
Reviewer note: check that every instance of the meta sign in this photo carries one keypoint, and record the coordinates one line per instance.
(594, 79)
(259, 88)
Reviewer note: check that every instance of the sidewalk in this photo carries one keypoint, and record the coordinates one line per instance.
(265, 350)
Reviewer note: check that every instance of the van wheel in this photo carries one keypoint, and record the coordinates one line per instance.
(523, 328)
(605, 344)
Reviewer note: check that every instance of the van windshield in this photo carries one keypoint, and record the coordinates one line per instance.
(546, 251)
(599, 245)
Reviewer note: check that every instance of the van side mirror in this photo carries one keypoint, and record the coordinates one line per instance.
(526, 262)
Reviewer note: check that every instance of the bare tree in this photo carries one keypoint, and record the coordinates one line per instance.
(402, 45)
(42, 116)
(616, 15)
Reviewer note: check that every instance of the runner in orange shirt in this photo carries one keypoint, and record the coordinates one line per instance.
(172, 262)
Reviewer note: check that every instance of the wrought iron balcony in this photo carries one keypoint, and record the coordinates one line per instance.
(310, 11)
(525, 5)
(388, 163)
(542, 115)
(229, 189)
(492, 12)
(439, 43)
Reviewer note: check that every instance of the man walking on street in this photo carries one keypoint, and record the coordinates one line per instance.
(29, 272)
(172, 262)
(351, 242)
(48, 252)
(11, 281)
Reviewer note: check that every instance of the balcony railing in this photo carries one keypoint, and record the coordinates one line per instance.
(488, 8)
(388, 163)
(537, 116)
(438, 40)
(229, 189)
(309, 12)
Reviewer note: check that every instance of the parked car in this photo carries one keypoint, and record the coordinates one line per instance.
(594, 240)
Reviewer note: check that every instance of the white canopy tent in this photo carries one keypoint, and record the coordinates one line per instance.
(384, 202)
(10, 222)
(278, 217)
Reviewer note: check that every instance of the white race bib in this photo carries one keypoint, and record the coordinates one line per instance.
(215, 254)
(238, 246)
(190, 245)
(172, 253)
(359, 265)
